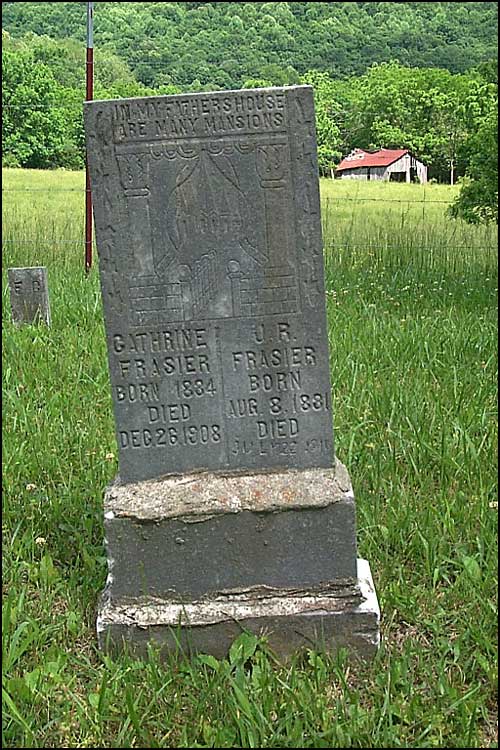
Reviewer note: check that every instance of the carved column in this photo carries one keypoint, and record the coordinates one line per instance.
(271, 168)
(134, 177)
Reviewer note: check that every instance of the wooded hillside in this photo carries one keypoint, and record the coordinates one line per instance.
(421, 76)
(223, 44)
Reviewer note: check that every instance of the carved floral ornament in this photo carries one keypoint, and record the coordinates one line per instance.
(134, 170)
(193, 150)
(134, 167)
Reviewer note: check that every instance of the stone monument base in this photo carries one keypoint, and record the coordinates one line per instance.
(325, 621)
(195, 560)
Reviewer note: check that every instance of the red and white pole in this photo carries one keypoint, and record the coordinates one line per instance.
(89, 95)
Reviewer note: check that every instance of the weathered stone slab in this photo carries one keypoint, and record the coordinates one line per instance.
(208, 230)
(29, 295)
(325, 620)
(230, 510)
(206, 534)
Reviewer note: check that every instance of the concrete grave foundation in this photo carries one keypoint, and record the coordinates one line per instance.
(196, 559)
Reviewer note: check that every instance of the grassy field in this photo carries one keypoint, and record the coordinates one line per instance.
(412, 302)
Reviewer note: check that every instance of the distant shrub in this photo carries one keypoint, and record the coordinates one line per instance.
(9, 160)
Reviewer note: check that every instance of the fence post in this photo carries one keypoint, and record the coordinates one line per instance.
(89, 93)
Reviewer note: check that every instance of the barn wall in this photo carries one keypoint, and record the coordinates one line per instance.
(404, 165)
(401, 165)
(376, 173)
(354, 174)
(421, 171)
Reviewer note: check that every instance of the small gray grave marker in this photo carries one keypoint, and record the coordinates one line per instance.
(29, 295)
(208, 230)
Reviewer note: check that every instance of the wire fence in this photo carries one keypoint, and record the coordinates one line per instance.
(336, 245)
(328, 202)
(330, 198)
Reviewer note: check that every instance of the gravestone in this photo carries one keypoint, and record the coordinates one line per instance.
(230, 509)
(29, 295)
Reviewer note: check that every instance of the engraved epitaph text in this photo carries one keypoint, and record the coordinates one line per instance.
(207, 221)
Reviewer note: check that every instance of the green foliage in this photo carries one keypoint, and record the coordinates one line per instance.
(478, 199)
(423, 109)
(326, 107)
(357, 56)
(225, 44)
(66, 60)
(36, 130)
(432, 112)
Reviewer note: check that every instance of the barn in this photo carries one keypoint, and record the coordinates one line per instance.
(386, 164)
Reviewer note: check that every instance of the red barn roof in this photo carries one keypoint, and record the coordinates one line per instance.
(359, 158)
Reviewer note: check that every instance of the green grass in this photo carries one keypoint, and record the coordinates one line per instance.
(412, 322)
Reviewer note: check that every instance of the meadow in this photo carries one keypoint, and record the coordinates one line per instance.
(412, 312)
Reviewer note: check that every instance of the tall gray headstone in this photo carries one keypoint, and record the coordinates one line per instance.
(208, 230)
(29, 295)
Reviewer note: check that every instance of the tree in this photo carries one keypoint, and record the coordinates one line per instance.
(327, 131)
(180, 39)
(478, 198)
(35, 129)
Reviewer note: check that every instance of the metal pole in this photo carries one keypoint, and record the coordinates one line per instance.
(89, 94)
